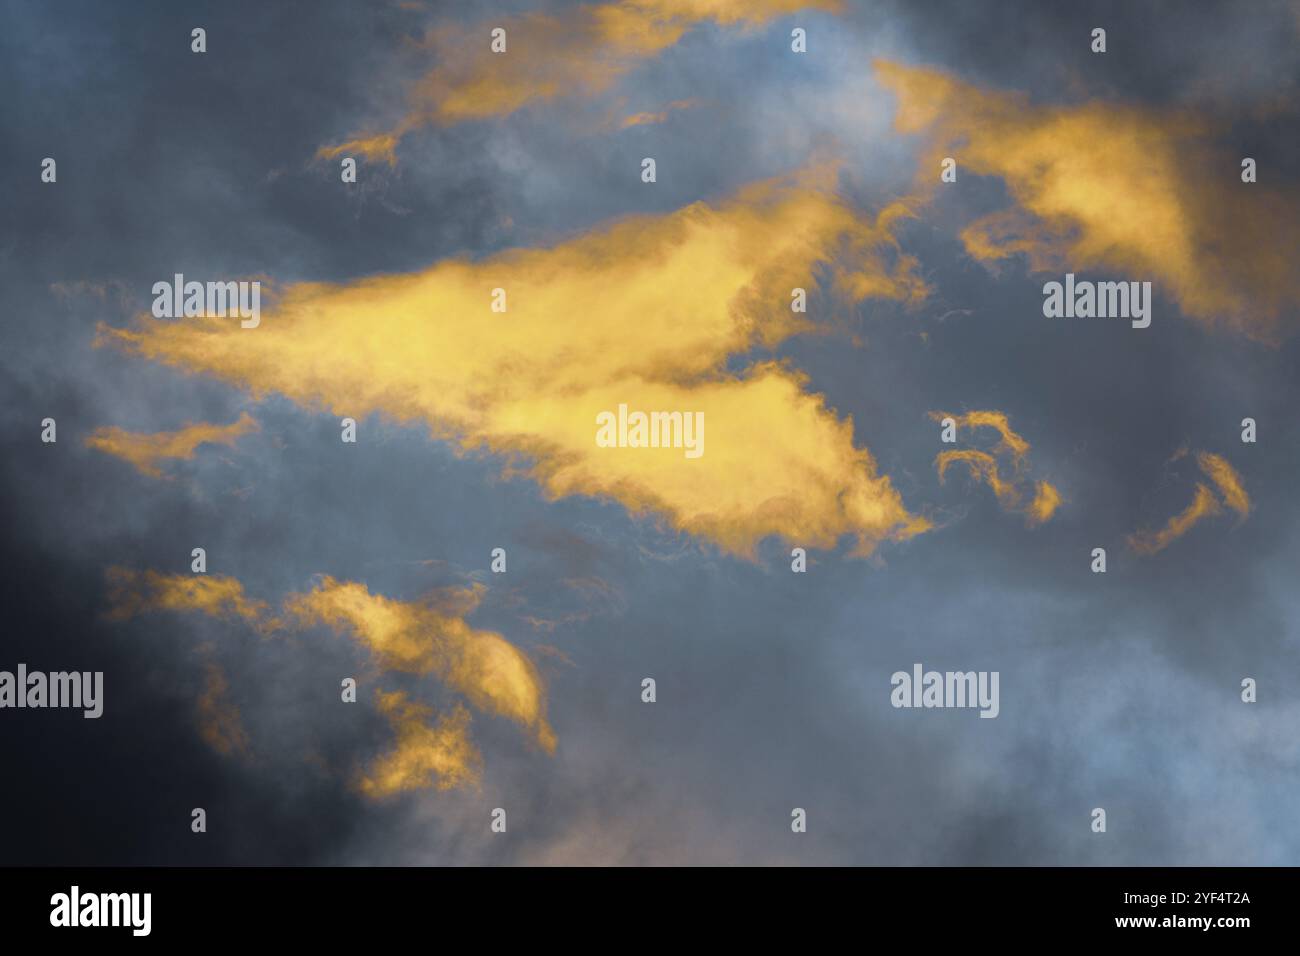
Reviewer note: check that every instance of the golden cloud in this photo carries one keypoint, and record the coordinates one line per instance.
(1226, 480)
(984, 467)
(1109, 186)
(1010, 490)
(427, 637)
(427, 753)
(583, 51)
(645, 312)
(131, 593)
(1204, 504)
(494, 675)
(648, 119)
(219, 722)
(1044, 503)
(145, 451)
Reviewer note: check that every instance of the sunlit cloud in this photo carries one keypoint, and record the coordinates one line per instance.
(579, 52)
(427, 753)
(1109, 186)
(649, 119)
(131, 593)
(648, 312)
(1226, 480)
(1205, 504)
(433, 638)
(1036, 500)
(146, 451)
(428, 637)
(220, 725)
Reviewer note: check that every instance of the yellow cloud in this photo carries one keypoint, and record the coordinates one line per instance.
(1226, 480)
(494, 675)
(1010, 442)
(579, 52)
(1044, 504)
(1106, 186)
(145, 451)
(375, 147)
(131, 593)
(645, 312)
(426, 754)
(646, 119)
(983, 465)
(424, 638)
(1204, 504)
(219, 722)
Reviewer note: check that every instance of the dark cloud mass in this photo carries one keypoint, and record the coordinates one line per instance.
(1119, 690)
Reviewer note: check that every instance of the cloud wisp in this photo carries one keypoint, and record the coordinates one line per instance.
(147, 451)
(541, 57)
(1205, 503)
(425, 638)
(1036, 500)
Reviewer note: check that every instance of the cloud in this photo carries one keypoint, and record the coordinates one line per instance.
(131, 593)
(219, 721)
(1204, 504)
(1044, 503)
(656, 312)
(647, 119)
(582, 51)
(1010, 490)
(145, 451)
(1226, 480)
(984, 467)
(1108, 186)
(426, 637)
(427, 753)
(432, 638)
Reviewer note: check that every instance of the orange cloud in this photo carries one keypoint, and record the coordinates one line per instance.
(494, 675)
(1044, 504)
(1204, 504)
(1226, 480)
(583, 51)
(983, 465)
(145, 451)
(1009, 442)
(425, 638)
(131, 593)
(219, 722)
(646, 312)
(646, 119)
(1106, 186)
(438, 754)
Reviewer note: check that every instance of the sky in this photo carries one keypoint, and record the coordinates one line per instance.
(522, 689)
